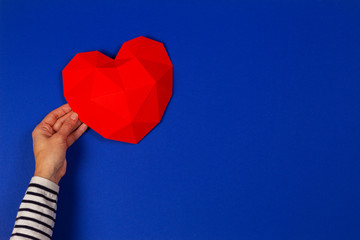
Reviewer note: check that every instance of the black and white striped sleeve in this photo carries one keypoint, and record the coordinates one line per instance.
(37, 212)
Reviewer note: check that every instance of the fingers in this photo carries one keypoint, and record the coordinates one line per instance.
(53, 116)
(78, 123)
(61, 120)
(65, 123)
(69, 125)
(76, 134)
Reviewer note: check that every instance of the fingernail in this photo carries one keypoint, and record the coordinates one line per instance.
(73, 116)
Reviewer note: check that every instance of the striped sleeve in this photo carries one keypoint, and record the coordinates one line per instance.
(37, 212)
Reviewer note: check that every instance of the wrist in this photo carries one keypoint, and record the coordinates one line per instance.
(48, 175)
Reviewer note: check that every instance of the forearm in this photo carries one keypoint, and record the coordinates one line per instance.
(37, 212)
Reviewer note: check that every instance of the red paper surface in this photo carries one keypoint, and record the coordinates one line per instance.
(121, 99)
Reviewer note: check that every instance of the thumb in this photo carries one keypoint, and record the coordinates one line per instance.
(69, 125)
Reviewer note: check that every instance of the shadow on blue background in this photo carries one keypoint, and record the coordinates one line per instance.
(259, 141)
(66, 220)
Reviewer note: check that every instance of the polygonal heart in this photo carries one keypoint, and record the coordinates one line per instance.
(121, 99)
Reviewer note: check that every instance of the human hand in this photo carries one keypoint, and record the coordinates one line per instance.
(51, 138)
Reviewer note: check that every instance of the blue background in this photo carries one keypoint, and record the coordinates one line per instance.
(261, 139)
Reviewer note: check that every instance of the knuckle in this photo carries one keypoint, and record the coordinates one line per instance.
(45, 127)
(33, 132)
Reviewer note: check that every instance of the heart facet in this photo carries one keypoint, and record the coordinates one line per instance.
(121, 99)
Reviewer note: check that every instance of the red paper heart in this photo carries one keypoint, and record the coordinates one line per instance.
(121, 99)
